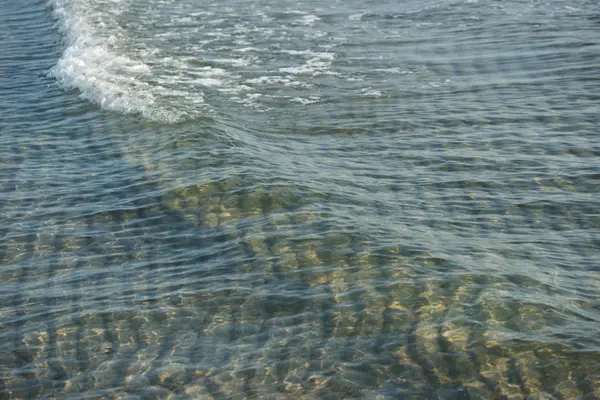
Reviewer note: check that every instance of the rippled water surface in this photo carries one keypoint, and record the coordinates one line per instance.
(299, 199)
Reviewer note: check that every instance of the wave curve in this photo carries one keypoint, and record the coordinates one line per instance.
(93, 61)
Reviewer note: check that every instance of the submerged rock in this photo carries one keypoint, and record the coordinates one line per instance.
(173, 376)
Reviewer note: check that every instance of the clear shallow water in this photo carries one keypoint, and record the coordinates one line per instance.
(299, 200)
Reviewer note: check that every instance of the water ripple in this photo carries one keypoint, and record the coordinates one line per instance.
(362, 201)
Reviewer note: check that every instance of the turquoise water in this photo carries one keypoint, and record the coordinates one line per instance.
(299, 200)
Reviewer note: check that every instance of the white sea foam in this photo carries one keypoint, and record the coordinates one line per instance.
(392, 70)
(301, 52)
(277, 80)
(247, 49)
(160, 58)
(370, 92)
(93, 64)
(307, 20)
(317, 65)
(306, 101)
(356, 17)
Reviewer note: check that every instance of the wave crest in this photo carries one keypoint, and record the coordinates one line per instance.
(93, 62)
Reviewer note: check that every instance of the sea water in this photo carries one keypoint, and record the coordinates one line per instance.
(299, 199)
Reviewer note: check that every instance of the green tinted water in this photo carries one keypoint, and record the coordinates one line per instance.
(416, 239)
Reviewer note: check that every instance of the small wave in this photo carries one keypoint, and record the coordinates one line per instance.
(320, 64)
(307, 20)
(92, 63)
